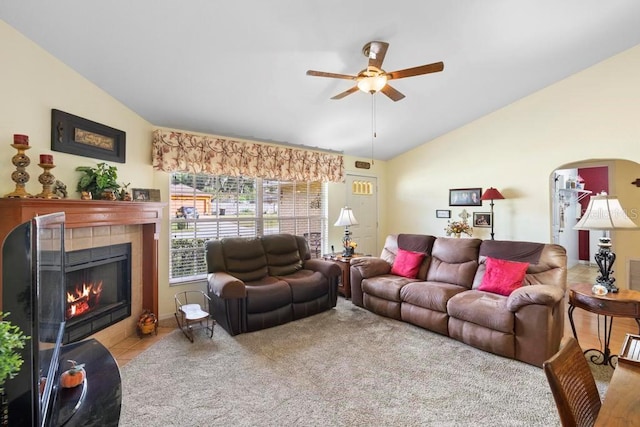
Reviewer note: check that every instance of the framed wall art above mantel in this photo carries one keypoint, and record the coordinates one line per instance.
(76, 135)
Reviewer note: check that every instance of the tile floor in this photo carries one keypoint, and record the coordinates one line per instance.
(126, 350)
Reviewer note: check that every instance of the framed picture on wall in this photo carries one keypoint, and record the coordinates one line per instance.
(82, 137)
(465, 197)
(145, 195)
(482, 219)
(443, 213)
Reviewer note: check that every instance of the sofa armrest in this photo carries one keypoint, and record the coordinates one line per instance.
(328, 268)
(534, 294)
(370, 266)
(226, 286)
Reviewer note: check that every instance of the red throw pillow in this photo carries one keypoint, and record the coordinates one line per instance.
(407, 263)
(502, 276)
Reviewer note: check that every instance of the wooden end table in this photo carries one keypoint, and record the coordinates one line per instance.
(624, 303)
(344, 286)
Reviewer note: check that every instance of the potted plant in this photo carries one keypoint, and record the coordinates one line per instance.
(11, 340)
(100, 181)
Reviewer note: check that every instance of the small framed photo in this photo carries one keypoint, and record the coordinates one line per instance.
(145, 195)
(482, 219)
(443, 213)
(465, 197)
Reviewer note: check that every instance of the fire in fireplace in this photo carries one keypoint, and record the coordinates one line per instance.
(83, 299)
(98, 294)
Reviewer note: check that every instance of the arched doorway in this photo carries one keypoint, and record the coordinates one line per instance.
(570, 198)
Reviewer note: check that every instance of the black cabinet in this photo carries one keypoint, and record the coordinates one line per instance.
(97, 401)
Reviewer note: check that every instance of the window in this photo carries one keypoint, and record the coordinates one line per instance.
(205, 207)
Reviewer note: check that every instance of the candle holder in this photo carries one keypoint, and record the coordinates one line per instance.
(20, 176)
(47, 180)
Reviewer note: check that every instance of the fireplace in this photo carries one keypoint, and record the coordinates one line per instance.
(98, 289)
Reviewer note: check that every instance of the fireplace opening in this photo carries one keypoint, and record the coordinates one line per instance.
(98, 289)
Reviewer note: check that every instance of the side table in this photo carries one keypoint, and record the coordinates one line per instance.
(344, 286)
(625, 303)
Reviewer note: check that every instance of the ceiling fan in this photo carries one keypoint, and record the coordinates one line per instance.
(373, 78)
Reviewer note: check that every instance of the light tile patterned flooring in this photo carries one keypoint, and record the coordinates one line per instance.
(586, 325)
(129, 348)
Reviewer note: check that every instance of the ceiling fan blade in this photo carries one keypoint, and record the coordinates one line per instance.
(416, 71)
(376, 53)
(392, 93)
(331, 75)
(345, 93)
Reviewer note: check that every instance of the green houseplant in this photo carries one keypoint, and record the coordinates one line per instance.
(11, 339)
(98, 180)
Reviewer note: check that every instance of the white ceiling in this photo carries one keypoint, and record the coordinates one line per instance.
(237, 68)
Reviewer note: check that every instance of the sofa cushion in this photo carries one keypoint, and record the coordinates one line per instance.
(245, 258)
(282, 253)
(454, 261)
(482, 308)
(407, 263)
(502, 276)
(267, 295)
(431, 295)
(386, 287)
(306, 285)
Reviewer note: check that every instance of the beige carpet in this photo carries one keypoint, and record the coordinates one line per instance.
(345, 367)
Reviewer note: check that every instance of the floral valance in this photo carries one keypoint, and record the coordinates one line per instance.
(183, 152)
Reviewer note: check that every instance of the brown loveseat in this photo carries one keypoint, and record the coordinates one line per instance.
(257, 283)
(527, 325)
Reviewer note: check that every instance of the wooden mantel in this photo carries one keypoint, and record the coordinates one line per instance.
(96, 213)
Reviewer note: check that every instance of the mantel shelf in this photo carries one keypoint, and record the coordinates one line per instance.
(96, 213)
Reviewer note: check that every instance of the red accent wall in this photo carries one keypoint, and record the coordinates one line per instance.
(596, 179)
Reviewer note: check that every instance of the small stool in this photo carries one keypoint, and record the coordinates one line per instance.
(191, 307)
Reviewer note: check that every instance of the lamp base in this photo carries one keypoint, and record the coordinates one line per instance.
(605, 259)
(348, 252)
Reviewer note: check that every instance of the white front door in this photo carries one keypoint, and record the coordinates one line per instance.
(362, 198)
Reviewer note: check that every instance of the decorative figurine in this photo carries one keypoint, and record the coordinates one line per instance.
(60, 189)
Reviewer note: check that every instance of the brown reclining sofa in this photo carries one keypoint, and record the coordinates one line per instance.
(257, 283)
(527, 325)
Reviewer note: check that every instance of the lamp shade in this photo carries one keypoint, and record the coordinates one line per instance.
(346, 217)
(491, 194)
(604, 213)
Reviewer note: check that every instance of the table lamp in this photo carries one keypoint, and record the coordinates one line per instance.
(605, 213)
(346, 219)
(491, 194)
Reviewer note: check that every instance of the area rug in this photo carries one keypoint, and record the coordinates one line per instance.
(344, 367)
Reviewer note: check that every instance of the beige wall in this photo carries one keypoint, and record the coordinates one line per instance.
(32, 82)
(591, 115)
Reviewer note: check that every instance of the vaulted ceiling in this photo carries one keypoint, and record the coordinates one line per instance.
(237, 68)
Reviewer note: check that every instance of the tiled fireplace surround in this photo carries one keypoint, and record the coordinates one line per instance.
(93, 223)
(92, 237)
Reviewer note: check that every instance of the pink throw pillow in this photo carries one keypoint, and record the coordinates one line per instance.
(407, 263)
(502, 276)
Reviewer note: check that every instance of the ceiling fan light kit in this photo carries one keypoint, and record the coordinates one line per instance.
(374, 79)
(372, 84)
